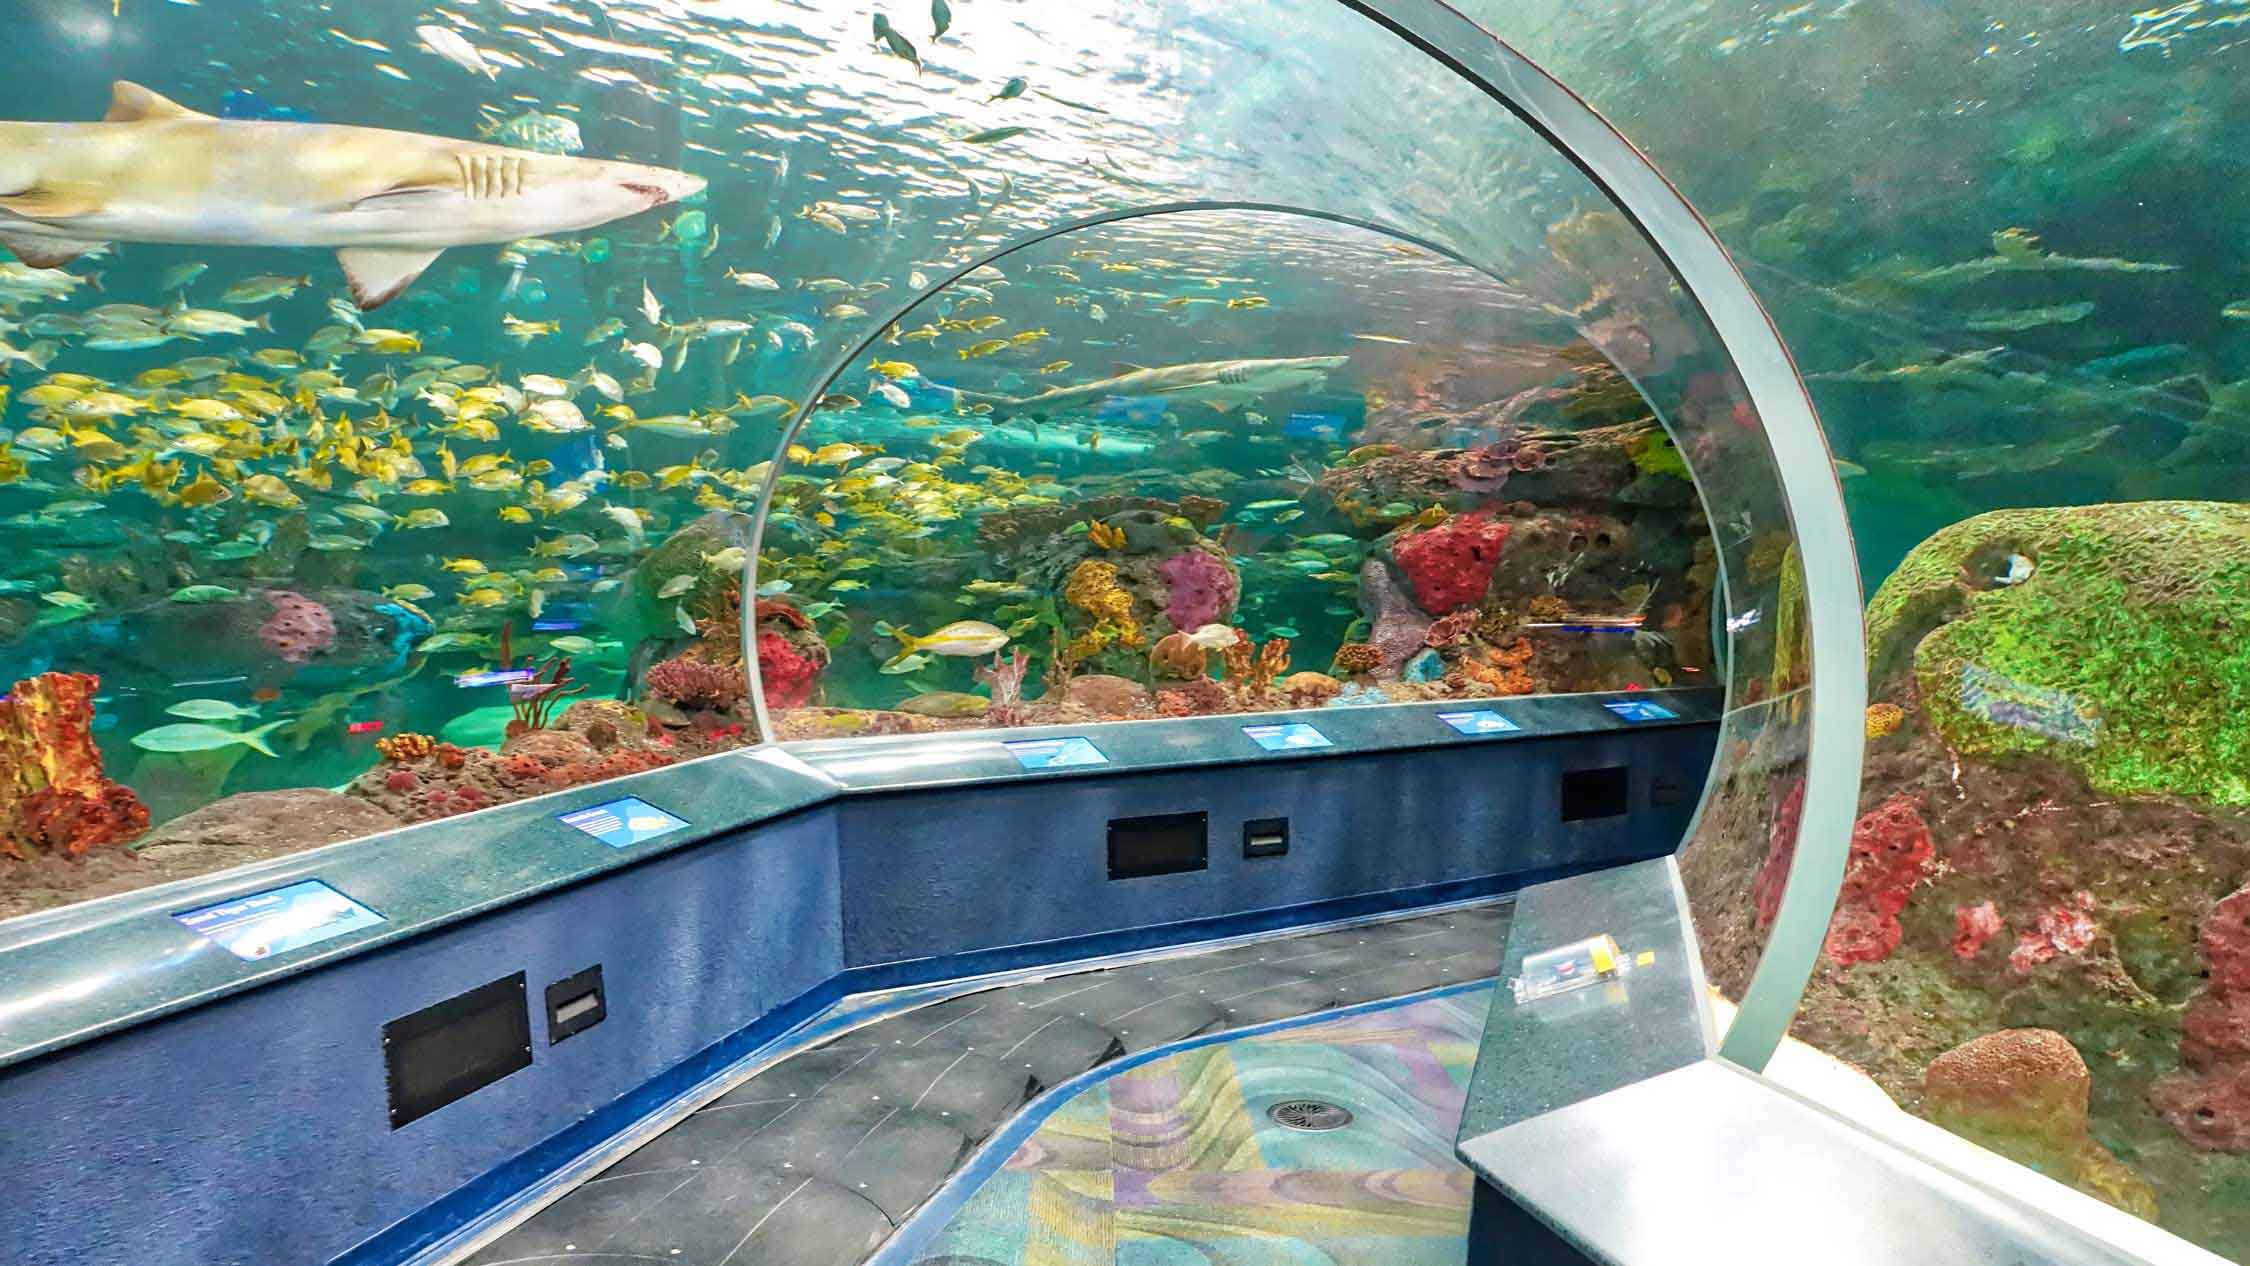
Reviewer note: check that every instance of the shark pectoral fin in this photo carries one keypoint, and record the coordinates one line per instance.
(1223, 406)
(44, 252)
(131, 103)
(378, 276)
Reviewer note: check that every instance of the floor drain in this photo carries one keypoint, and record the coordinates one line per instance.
(1310, 1114)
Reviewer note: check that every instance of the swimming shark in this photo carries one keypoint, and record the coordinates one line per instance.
(155, 171)
(1221, 384)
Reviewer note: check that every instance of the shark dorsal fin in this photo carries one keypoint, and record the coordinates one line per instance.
(1123, 367)
(131, 103)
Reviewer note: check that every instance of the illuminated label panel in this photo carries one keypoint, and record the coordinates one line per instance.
(279, 920)
(1640, 710)
(1055, 753)
(1478, 721)
(622, 823)
(1292, 736)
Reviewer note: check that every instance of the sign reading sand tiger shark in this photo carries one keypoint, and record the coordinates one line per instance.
(155, 171)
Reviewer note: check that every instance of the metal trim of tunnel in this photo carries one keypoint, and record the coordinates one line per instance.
(1812, 492)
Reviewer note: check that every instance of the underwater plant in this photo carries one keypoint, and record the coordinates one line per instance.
(1004, 676)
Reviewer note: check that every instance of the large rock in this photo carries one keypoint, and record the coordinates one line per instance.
(2024, 1093)
(306, 817)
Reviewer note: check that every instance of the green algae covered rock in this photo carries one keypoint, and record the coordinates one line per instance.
(2107, 638)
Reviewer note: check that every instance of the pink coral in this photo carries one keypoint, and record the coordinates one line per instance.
(1203, 589)
(298, 629)
(787, 673)
(1891, 849)
(1450, 629)
(2065, 928)
(1450, 565)
(1973, 926)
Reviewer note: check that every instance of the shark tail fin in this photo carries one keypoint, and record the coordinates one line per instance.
(379, 276)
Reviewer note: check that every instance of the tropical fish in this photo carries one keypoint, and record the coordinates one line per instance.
(197, 736)
(210, 710)
(155, 171)
(962, 637)
(204, 593)
(455, 47)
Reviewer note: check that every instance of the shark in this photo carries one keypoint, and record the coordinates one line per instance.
(388, 202)
(1221, 384)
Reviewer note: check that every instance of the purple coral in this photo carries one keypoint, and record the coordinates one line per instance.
(298, 629)
(1202, 588)
(1398, 627)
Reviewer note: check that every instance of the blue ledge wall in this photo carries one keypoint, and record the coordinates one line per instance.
(255, 1129)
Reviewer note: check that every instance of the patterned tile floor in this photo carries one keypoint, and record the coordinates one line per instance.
(815, 1160)
(1179, 1162)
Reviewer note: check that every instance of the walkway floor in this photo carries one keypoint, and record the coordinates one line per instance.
(814, 1160)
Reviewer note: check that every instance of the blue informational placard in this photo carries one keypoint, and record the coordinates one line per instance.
(622, 823)
(1294, 736)
(264, 924)
(1055, 753)
(1478, 721)
(1640, 710)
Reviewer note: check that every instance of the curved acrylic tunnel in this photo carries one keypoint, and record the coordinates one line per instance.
(1444, 189)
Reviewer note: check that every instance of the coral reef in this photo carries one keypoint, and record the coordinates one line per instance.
(791, 654)
(1197, 696)
(54, 798)
(1107, 696)
(405, 747)
(2079, 793)
(1308, 689)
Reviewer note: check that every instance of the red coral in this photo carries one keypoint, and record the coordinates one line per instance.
(2061, 929)
(520, 768)
(1973, 926)
(401, 780)
(1772, 878)
(298, 629)
(451, 757)
(787, 673)
(1450, 565)
(1891, 848)
(2208, 1101)
(53, 794)
(691, 681)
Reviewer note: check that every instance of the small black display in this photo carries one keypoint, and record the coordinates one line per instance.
(1162, 844)
(575, 1004)
(1265, 837)
(446, 1052)
(1596, 793)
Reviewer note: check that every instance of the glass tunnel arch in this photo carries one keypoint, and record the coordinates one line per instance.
(1834, 692)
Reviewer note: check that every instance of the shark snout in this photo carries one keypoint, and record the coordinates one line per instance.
(657, 186)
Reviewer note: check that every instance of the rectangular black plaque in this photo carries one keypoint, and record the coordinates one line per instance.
(575, 1004)
(1163, 844)
(459, 1046)
(1265, 837)
(1596, 793)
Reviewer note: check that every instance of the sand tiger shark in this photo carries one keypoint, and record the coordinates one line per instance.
(155, 171)
(1221, 384)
